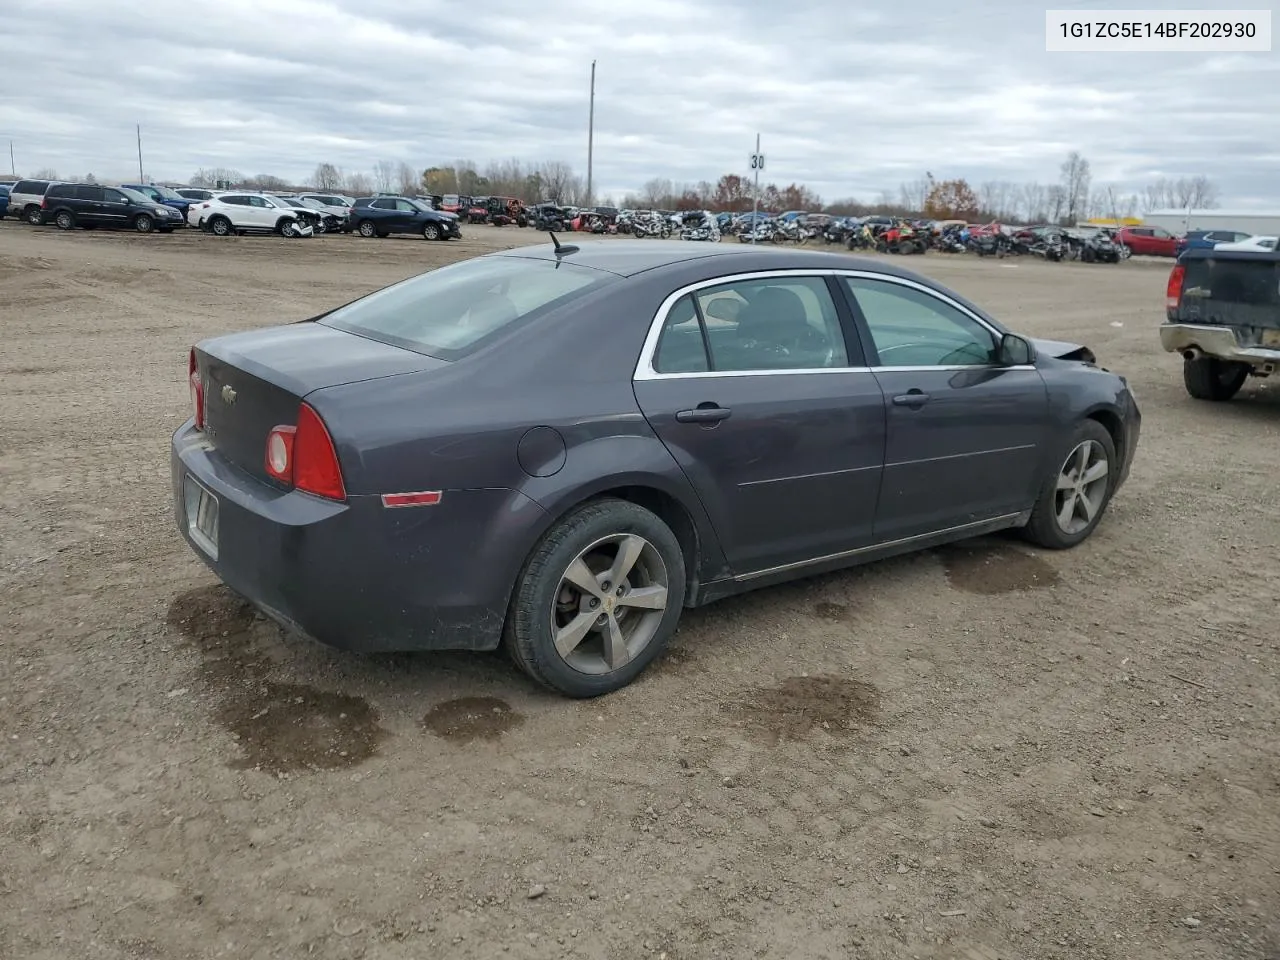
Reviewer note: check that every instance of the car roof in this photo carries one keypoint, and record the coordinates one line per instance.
(629, 257)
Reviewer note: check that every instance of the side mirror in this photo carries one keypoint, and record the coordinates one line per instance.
(1015, 351)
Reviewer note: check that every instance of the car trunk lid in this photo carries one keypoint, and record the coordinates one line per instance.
(254, 381)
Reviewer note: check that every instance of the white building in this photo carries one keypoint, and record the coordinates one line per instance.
(1249, 221)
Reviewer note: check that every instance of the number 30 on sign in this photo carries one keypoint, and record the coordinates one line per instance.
(757, 161)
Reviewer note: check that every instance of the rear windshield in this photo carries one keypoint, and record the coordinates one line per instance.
(1241, 291)
(448, 312)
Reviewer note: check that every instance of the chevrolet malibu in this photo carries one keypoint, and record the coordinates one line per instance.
(559, 449)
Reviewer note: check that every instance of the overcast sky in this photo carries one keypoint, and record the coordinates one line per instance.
(848, 101)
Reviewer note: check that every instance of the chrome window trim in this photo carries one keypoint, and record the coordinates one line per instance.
(644, 366)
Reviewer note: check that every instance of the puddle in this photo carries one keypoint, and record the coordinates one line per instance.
(279, 727)
(798, 706)
(838, 612)
(471, 718)
(287, 726)
(992, 568)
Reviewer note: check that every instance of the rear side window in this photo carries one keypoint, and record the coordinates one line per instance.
(37, 187)
(448, 312)
(59, 190)
(87, 192)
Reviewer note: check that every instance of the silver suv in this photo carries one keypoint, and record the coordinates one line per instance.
(25, 199)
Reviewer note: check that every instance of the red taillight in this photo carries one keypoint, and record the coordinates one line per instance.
(315, 459)
(279, 460)
(197, 389)
(1173, 293)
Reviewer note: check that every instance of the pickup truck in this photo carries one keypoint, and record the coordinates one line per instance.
(1222, 314)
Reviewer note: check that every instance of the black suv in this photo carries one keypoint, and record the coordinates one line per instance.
(382, 216)
(71, 205)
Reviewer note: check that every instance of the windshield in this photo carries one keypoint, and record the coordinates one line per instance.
(422, 206)
(447, 311)
(167, 193)
(134, 195)
(277, 202)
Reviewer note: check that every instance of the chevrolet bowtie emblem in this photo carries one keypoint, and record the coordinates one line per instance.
(228, 395)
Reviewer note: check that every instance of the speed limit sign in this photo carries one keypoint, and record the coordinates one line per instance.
(757, 161)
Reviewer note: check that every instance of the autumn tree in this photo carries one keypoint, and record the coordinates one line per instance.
(731, 192)
(951, 200)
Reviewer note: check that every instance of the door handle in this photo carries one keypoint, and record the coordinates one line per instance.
(704, 413)
(912, 398)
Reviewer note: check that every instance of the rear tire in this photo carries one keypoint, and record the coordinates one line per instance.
(144, 223)
(366, 228)
(220, 226)
(33, 216)
(65, 220)
(1209, 378)
(587, 545)
(1074, 497)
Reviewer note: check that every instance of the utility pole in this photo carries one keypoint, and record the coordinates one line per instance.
(12, 169)
(591, 130)
(140, 178)
(757, 161)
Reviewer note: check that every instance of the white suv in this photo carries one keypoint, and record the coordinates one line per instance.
(232, 212)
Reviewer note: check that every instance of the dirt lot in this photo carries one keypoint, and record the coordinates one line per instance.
(982, 752)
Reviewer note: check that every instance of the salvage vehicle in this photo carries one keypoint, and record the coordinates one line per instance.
(561, 448)
(384, 215)
(507, 210)
(1222, 314)
(243, 213)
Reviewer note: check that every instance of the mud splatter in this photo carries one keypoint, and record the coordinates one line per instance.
(992, 568)
(287, 726)
(798, 706)
(279, 726)
(471, 718)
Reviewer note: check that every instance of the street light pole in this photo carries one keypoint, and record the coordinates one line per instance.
(140, 178)
(591, 130)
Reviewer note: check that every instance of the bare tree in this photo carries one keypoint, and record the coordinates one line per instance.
(1197, 192)
(267, 181)
(327, 177)
(409, 179)
(212, 176)
(657, 191)
(359, 184)
(998, 198)
(1075, 185)
(912, 195)
(45, 173)
(1055, 201)
(557, 180)
(384, 176)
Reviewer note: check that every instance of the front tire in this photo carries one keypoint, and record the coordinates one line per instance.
(1075, 496)
(597, 600)
(143, 223)
(431, 231)
(1208, 378)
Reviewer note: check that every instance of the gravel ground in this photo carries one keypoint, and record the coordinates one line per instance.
(979, 752)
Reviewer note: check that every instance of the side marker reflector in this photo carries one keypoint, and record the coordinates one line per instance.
(423, 498)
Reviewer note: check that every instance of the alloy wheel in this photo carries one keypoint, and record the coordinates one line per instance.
(609, 604)
(1082, 487)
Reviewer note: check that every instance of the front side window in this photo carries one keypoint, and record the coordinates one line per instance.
(448, 311)
(384, 204)
(911, 328)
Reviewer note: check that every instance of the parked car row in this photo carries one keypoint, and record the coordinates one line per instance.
(149, 208)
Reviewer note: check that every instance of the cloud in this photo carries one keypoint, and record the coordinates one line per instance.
(849, 102)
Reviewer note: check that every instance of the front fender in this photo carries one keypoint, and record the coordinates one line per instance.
(610, 463)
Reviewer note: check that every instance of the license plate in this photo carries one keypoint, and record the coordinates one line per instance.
(1271, 338)
(202, 516)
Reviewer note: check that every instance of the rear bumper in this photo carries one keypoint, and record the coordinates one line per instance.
(356, 575)
(1215, 341)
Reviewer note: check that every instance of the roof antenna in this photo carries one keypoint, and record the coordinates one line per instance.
(562, 248)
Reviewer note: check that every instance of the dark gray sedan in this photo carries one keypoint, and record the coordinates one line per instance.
(561, 448)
